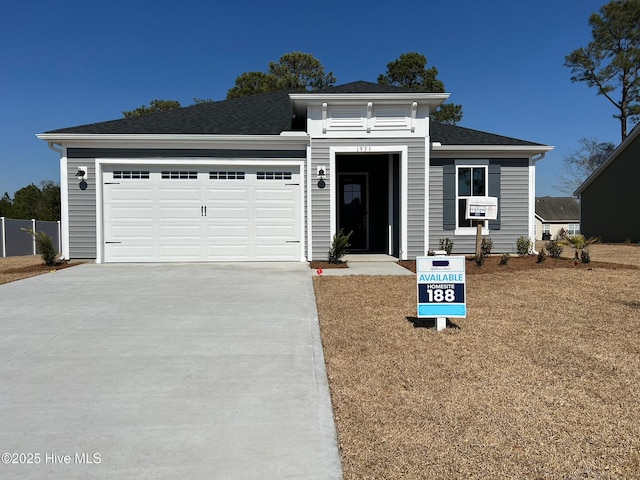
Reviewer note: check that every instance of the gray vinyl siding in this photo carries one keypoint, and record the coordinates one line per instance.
(320, 198)
(82, 210)
(513, 205)
(609, 205)
(181, 153)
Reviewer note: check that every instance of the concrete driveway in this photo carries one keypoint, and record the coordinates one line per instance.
(211, 371)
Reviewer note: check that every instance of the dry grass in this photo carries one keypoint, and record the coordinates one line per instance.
(541, 380)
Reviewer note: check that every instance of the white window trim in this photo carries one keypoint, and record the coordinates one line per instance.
(471, 164)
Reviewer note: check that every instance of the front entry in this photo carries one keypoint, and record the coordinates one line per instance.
(367, 200)
(353, 209)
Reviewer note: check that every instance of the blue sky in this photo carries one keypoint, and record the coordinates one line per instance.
(72, 62)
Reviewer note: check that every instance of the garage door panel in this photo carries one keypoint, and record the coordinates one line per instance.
(280, 232)
(240, 214)
(228, 252)
(131, 194)
(275, 252)
(275, 195)
(201, 213)
(225, 231)
(129, 253)
(182, 195)
(228, 195)
(274, 214)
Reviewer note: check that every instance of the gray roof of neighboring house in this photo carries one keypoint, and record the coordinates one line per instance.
(557, 209)
(267, 114)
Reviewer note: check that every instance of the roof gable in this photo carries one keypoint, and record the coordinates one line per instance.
(557, 209)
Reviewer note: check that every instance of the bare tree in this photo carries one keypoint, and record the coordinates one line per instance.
(582, 162)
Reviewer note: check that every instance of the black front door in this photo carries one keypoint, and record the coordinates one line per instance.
(352, 209)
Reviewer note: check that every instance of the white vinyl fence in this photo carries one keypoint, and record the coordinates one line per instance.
(16, 242)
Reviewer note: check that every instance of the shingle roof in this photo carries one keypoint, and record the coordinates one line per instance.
(267, 114)
(557, 209)
(361, 86)
(262, 114)
(455, 135)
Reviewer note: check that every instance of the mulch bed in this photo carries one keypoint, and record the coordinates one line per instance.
(316, 264)
(39, 268)
(529, 262)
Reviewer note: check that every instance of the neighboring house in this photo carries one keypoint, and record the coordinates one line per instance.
(554, 214)
(610, 197)
(274, 176)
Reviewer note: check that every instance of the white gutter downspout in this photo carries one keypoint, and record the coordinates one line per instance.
(532, 199)
(52, 147)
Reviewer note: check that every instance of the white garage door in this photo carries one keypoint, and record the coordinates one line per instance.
(219, 213)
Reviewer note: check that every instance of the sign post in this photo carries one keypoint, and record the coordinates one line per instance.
(441, 288)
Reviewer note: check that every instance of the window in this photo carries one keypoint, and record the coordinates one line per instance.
(131, 174)
(546, 228)
(179, 175)
(226, 175)
(471, 182)
(574, 229)
(274, 176)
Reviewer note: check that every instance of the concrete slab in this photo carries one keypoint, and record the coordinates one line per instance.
(211, 371)
(368, 264)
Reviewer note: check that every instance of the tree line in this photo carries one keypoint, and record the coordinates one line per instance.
(303, 72)
(41, 203)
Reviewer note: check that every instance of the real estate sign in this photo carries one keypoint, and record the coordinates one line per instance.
(441, 287)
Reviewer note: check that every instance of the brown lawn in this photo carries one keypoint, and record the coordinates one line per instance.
(541, 380)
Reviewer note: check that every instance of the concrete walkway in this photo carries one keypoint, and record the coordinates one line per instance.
(368, 265)
(176, 371)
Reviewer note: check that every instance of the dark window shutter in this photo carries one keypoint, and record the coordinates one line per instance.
(449, 197)
(494, 191)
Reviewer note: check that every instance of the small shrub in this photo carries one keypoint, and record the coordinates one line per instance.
(479, 259)
(580, 244)
(541, 256)
(44, 245)
(553, 248)
(585, 257)
(562, 233)
(505, 258)
(339, 246)
(523, 246)
(431, 253)
(486, 246)
(446, 244)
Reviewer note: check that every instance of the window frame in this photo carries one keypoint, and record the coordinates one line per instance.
(460, 164)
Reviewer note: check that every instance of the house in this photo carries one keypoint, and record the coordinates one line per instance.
(554, 214)
(274, 176)
(610, 197)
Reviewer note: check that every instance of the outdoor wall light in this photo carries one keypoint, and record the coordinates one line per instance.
(82, 176)
(321, 175)
(82, 173)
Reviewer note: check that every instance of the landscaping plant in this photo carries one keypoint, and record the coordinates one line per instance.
(505, 258)
(339, 247)
(553, 248)
(523, 246)
(45, 246)
(446, 244)
(486, 246)
(479, 259)
(541, 256)
(580, 245)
